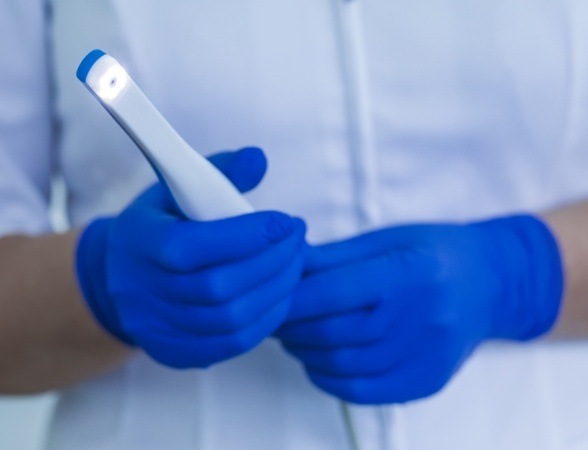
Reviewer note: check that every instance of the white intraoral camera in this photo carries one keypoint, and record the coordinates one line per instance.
(200, 190)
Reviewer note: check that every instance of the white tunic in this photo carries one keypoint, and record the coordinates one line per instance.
(372, 113)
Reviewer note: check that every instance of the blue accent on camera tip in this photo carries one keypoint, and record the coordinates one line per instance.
(87, 64)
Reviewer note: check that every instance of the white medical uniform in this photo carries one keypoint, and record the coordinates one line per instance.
(372, 113)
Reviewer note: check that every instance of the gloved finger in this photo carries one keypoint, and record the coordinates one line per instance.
(354, 328)
(359, 248)
(361, 285)
(228, 317)
(364, 360)
(398, 347)
(186, 246)
(155, 202)
(223, 283)
(183, 350)
(422, 377)
(245, 168)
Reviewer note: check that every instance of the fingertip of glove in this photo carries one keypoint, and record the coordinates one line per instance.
(248, 168)
(279, 226)
(254, 154)
(300, 225)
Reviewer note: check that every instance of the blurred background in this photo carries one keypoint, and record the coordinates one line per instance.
(24, 421)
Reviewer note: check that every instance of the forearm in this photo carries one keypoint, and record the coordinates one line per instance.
(48, 338)
(570, 226)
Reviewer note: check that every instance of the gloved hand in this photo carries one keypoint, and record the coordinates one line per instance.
(391, 315)
(190, 293)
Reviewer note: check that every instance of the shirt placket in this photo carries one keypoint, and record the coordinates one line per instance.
(367, 428)
(359, 126)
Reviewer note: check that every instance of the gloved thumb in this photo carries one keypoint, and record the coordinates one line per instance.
(245, 168)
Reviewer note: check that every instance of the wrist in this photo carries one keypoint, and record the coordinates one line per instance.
(91, 274)
(527, 257)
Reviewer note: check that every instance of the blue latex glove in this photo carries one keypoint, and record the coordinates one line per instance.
(390, 316)
(192, 293)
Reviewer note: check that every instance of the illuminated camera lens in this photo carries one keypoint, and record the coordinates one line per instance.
(111, 83)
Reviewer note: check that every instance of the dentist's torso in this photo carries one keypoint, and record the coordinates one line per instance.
(372, 112)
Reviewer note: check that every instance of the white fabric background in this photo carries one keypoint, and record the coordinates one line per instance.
(24, 420)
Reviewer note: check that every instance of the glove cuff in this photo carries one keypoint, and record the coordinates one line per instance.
(91, 275)
(530, 258)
